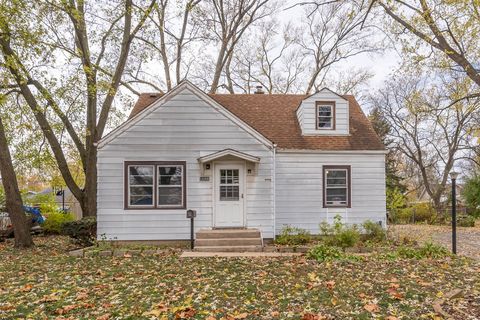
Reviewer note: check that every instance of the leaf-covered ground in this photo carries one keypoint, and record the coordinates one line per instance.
(45, 283)
(468, 239)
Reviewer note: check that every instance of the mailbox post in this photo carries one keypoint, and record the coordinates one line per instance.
(191, 214)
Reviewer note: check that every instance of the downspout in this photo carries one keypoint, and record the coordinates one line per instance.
(274, 179)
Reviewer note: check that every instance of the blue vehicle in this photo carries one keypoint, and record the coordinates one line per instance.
(6, 228)
(36, 214)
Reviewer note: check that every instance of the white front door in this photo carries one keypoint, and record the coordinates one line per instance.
(229, 198)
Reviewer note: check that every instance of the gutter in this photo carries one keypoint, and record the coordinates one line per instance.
(274, 189)
(319, 151)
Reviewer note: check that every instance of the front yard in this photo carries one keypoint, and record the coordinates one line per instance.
(45, 283)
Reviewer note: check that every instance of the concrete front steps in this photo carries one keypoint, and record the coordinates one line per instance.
(229, 240)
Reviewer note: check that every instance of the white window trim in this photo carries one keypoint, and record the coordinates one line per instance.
(331, 127)
(347, 170)
(155, 165)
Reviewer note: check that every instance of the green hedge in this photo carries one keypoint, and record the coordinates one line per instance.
(83, 232)
(55, 220)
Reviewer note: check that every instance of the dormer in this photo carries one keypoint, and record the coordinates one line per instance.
(324, 113)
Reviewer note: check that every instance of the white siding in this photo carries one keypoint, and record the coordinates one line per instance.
(299, 189)
(307, 116)
(183, 129)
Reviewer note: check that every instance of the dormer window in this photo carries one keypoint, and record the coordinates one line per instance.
(325, 115)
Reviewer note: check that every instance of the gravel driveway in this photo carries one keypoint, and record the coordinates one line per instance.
(468, 239)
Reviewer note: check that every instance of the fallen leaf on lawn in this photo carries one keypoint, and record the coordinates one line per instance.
(50, 298)
(82, 296)
(371, 307)
(104, 317)
(66, 309)
(274, 314)
(6, 307)
(394, 285)
(334, 301)
(330, 284)
(26, 288)
(312, 316)
(313, 277)
(391, 318)
(395, 294)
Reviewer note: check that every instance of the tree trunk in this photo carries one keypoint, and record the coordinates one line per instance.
(14, 203)
(88, 202)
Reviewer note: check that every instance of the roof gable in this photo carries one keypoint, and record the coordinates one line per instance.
(325, 90)
(148, 103)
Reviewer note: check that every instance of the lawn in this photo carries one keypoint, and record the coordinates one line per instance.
(45, 283)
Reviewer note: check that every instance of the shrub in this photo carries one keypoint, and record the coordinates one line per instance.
(83, 232)
(471, 194)
(45, 201)
(293, 236)
(323, 252)
(339, 234)
(2, 199)
(428, 250)
(418, 212)
(435, 251)
(466, 221)
(374, 231)
(54, 222)
(347, 237)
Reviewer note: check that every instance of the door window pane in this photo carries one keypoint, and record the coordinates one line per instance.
(229, 193)
(229, 185)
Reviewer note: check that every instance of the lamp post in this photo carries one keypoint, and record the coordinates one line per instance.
(453, 176)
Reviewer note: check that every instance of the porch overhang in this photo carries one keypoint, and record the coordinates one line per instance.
(228, 152)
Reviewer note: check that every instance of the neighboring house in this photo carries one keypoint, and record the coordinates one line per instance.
(256, 161)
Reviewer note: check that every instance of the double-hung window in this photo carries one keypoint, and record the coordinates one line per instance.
(336, 186)
(155, 185)
(325, 115)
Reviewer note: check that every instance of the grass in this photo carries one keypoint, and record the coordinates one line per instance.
(45, 283)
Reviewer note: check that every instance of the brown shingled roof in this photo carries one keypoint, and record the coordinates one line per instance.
(274, 116)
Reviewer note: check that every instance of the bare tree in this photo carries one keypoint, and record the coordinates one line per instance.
(169, 32)
(228, 21)
(270, 59)
(333, 34)
(97, 56)
(429, 126)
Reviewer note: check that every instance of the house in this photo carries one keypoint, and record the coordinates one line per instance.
(261, 161)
